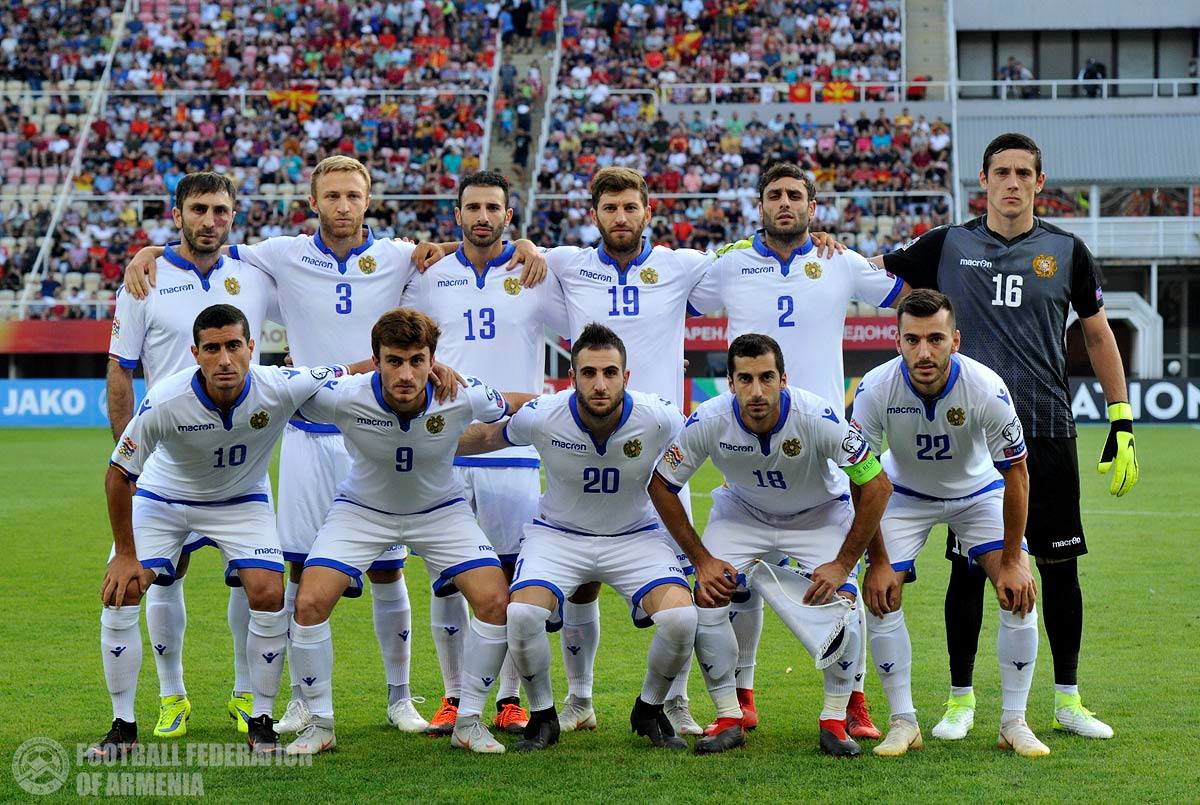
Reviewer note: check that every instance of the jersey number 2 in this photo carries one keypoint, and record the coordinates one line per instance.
(786, 308)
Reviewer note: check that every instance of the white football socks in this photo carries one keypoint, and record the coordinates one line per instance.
(891, 650)
(289, 606)
(121, 648)
(860, 678)
(580, 641)
(266, 644)
(747, 620)
(483, 654)
(166, 621)
(670, 653)
(717, 653)
(839, 677)
(448, 623)
(312, 658)
(509, 685)
(1016, 648)
(393, 629)
(237, 615)
(529, 652)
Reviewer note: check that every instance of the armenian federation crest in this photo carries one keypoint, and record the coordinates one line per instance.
(259, 420)
(956, 417)
(791, 448)
(633, 448)
(648, 275)
(812, 270)
(367, 264)
(1044, 265)
(512, 286)
(435, 423)
(232, 286)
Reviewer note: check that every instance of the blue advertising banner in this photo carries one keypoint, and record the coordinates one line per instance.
(56, 403)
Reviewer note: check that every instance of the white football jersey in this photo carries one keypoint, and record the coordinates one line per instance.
(947, 447)
(596, 488)
(157, 331)
(646, 305)
(181, 448)
(491, 326)
(775, 475)
(400, 466)
(800, 302)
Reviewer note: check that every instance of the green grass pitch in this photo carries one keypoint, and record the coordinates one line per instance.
(1138, 672)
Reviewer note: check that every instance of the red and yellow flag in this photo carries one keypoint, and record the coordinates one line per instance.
(300, 100)
(838, 92)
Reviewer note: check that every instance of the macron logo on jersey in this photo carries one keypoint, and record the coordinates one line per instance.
(312, 261)
(372, 423)
(736, 448)
(575, 446)
(176, 289)
(192, 428)
(452, 283)
(981, 263)
(594, 275)
(757, 269)
(903, 409)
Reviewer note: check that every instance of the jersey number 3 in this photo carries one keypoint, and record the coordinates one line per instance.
(344, 305)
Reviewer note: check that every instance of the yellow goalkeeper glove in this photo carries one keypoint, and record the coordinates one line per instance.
(1118, 454)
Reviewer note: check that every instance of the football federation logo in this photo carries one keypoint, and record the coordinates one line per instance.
(1012, 431)
(648, 275)
(232, 286)
(512, 286)
(435, 423)
(116, 328)
(956, 416)
(259, 420)
(812, 270)
(1044, 265)
(128, 447)
(367, 264)
(791, 448)
(633, 448)
(853, 443)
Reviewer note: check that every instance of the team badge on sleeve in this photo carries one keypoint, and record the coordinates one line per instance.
(812, 270)
(633, 448)
(854, 444)
(116, 328)
(673, 456)
(232, 286)
(791, 448)
(512, 286)
(956, 417)
(648, 275)
(367, 264)
(435, 423)
(259, 420)
(1044, 265)
(128, 447)
(1012, 431)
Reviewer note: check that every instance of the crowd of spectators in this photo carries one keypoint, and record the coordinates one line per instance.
(52, 43)
(806, 50)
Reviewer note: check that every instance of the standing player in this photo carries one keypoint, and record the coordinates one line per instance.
(156, 332)
(400, 486)
(776, 446)
(491, 326)
(956, 456)
(778, 285)
(1012, 277)
(595, 522)
(198, 450)
(332, 288)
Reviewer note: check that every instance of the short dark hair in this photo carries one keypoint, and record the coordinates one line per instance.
(751, 345)
(923, 303)
(484, 179)
(597, 336)
(1012, 140)
(214, 317)
(786, 170)
(617, 179)
(197, 184)
(404, 328)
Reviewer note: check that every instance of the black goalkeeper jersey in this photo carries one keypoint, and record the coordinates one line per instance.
(1011, 299)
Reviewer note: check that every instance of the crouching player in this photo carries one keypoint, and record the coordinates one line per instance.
(599, 443)
(198, 449)
(956, 456)
(774, 444)
(400, 488)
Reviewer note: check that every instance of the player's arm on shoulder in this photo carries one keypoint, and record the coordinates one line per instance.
(141, 272)
(517, 430)
(487, 404)
(916, 262)
(873, 285)
(425, 254)
(316, 391)
(705, 297)
(119, 388)
(827, 244)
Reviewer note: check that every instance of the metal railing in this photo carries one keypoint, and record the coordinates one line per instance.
(1091, 89)
(544, 136)
(847, 92)
(1136, 238)
(493, 92)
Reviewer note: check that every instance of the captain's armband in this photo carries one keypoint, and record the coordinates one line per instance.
(863, 471)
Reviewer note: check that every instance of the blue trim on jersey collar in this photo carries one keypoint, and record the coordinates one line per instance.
(785, 266)
(341, 264)
(931, 403)
(206, 401)
(405, 424)
(623, 273)
(764, 439)
(626, 410)
(505, 255)
(176, 259)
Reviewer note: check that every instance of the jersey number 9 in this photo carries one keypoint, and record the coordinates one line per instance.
(404, 456)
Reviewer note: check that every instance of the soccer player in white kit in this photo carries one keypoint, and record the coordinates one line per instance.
(777, 446)
(332, 288)
(777, 284)
(198, 451)
(493, 326)
(156, 333)
(956, 455)
(599, 442)
(401, 486)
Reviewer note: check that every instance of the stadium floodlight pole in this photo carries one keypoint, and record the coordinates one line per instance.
(956, 189)
(60, 206)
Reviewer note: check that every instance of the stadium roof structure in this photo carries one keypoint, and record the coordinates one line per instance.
(1117, 149)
